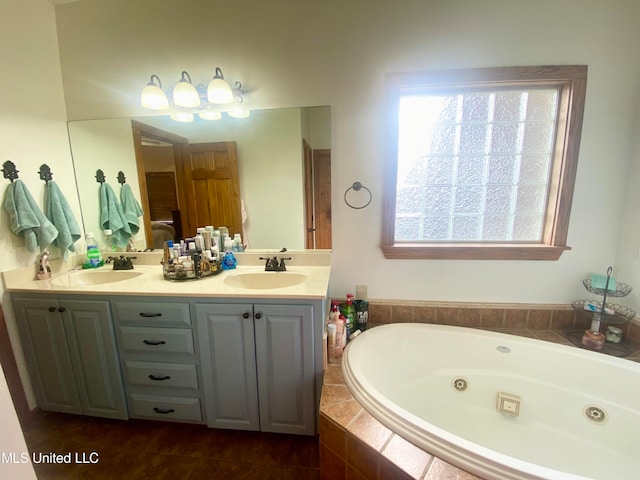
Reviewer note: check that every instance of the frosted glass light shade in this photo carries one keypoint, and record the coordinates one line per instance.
(219, 91)
(239, 113)
(185, 95)
(154, 98)
(210, 115)
(182, 117)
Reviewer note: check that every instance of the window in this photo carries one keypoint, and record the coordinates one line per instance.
(483, 162)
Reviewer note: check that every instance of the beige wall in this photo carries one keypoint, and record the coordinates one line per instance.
(292, 53)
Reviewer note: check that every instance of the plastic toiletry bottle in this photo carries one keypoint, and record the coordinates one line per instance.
(349, 311)
(228, 244)
(331, 340)
(236, 246)
(199, 238)
(94, 257)
(109, 244)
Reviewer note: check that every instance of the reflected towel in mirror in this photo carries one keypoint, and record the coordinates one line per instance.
(131, 208)
(59, 213)
(26, 219)
(112, 217)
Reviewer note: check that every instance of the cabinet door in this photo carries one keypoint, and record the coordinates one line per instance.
(47, 354)
(285, 366)
(226, 340)
(92, 346)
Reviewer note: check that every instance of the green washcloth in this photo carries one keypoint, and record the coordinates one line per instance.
(26, 219)
(599, 281)
(60, 215)
(131, 208)
(112, 217)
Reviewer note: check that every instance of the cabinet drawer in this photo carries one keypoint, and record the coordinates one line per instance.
(152, 313)
(165, 408)
(157, 374)
(156, 340)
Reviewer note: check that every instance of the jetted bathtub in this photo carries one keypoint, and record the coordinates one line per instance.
(501, 406)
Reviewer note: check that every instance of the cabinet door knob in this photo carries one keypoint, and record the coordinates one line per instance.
(154, 377)
(154, 342)
(62, 309)
(258, 316)
(163, 411)
(52, 309)
(245, 315)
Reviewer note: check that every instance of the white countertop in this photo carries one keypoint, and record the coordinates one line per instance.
(152, 283)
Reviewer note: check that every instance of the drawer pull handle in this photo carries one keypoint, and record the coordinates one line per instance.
(151, 342)
(153, 377)
(164, 412)
(150, 315)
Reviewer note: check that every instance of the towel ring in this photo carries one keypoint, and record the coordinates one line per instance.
(45, 173)
(100, 176)
(357, 186)
(121, 178)
(9, 170)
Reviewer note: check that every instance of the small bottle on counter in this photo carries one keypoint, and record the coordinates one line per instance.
(331, 342)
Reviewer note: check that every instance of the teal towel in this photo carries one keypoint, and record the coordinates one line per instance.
(59, 213)
(112, 217)
(26, 219)
(131, 208)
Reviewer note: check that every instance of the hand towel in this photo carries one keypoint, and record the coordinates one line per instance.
(26, 219)
(131, 208)
(112, 217)
(59, 213)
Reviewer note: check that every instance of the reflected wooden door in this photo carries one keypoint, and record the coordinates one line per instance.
(209, 186)
(322, 197)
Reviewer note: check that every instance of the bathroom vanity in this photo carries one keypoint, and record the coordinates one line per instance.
(238, 350)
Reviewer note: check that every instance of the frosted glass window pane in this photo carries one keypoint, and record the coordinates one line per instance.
(531, 198)
(470, 170)
(436, 228)
(496, 228)
(504, 138)
(507, 106)
(439, 171)
(407, 228)
(473, 138)
(501, 169)
(412, 172)
(409, 200)
(534, 168)
(537, 137)
(475, 107)
(542, 105)
(468, 199)
(466, 227)
(443, 139)
(449, 109)
(499, 199)
(527, 228)
(438, 199)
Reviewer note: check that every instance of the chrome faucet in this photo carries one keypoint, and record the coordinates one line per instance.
(44, 271)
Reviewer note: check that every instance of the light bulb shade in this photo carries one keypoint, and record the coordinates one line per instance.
(239, 112)
(182, 117)
(219, 91)
(185, 94)
(210, 115)
(153, 97)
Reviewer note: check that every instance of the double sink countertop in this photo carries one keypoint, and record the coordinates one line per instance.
(307, 278)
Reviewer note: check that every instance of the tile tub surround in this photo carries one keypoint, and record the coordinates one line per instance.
(356, 446)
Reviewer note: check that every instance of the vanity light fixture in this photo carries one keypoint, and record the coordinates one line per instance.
(187, 99)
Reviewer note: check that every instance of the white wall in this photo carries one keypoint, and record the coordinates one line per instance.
(292, 53)
(32, 132)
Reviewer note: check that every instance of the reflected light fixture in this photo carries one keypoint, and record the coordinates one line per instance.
(187, 99)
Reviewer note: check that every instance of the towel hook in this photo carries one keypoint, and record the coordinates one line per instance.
(100, 176)
(357, 186)
(121, 178)
(9, 170)
(45, 173)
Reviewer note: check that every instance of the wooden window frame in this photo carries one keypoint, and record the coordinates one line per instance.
(572, 82)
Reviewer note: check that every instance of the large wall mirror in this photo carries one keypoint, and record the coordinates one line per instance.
(280, 161)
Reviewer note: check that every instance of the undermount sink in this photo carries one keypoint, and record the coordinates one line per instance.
(261, 280)
(84, 278)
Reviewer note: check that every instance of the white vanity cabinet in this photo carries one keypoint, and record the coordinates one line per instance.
(71, 355)
(158, 358)
(260, 366)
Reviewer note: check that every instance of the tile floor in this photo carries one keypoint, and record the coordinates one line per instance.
(138, 449)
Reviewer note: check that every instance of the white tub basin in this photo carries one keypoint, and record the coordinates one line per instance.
(80, 278)
(261, 280)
